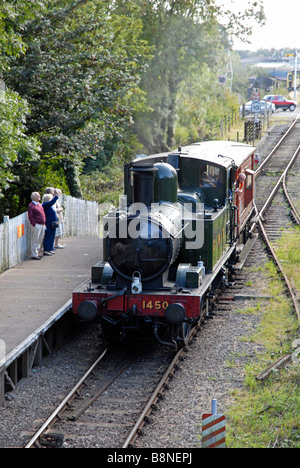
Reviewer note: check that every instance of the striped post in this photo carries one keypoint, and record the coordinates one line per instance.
(213, 428)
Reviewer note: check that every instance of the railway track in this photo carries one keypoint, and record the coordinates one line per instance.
(112, 386)
(276, 211)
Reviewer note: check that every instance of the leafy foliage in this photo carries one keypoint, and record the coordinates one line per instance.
(190, 49)
(82, 61)
(182, 44)
(201, 102)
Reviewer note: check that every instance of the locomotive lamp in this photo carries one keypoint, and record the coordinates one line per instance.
(136, 285)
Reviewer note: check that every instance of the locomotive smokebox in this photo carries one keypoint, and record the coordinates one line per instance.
(143, 183)
(145, 239)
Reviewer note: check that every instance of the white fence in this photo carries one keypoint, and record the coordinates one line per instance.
(14, 241)
(81, 219)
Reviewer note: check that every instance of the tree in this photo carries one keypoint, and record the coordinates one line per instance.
(186, 36)
(81, 66)
(201, 102)
(15, 147)
(91, 71)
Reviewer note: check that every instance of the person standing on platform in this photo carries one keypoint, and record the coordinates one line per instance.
(37, 219)
(49, 190)
(51, 222)
(60, 231)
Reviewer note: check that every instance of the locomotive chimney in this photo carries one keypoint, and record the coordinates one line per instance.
(143, 183)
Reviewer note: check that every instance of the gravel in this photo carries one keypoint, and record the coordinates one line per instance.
(34, 399)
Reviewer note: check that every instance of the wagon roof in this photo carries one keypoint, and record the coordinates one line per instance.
(222, 153)
(219, 152)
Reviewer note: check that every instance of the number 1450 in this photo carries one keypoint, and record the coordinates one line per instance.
(158, 305)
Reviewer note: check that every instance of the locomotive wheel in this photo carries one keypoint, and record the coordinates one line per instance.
(184, 333)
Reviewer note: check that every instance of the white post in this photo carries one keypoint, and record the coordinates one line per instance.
(214, 406)
(295, 77)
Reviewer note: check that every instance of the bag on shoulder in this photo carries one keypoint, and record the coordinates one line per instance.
(54, 224)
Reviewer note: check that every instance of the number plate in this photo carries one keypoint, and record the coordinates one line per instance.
(155, 305)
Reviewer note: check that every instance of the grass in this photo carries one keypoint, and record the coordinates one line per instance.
(288, 250)
(267, 413)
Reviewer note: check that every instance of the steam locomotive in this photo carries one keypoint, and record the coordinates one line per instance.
(183, 219)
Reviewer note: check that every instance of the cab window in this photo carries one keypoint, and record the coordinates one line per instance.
(208, 178)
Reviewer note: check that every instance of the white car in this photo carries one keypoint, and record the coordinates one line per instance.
(263, 103)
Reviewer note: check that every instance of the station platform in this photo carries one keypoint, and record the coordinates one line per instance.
(33, 291)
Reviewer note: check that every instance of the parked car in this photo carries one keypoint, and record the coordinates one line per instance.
(248, 107)
(281, 102)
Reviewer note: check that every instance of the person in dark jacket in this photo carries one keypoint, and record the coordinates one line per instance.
(51, 217)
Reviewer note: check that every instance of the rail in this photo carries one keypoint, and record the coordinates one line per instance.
(295, 121)
(294, 211)
(281, 180)
(62, 406)
(143, 418)
(75, 403)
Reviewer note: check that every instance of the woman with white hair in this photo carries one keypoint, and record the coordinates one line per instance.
(60, 231)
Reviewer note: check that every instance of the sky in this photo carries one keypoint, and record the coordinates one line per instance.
(282, 27)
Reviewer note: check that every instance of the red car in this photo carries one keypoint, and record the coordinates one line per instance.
(281, 102)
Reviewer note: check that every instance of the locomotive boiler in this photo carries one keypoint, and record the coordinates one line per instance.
(183, 219)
